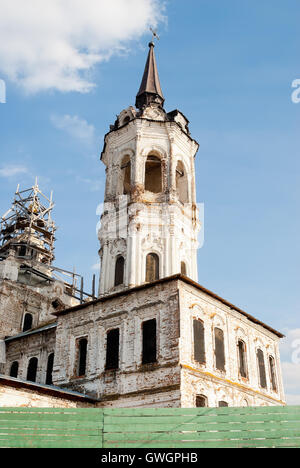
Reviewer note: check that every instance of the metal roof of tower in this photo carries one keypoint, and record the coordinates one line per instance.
(150, 89)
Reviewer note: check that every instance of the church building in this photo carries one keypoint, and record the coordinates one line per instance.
(153, 337)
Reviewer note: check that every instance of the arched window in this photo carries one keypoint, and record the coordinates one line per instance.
(261, 368)
(273, 373)
(242, 359)
(153, 174)
(199, 341)
(27, 325)
(183, 268)
(201, 401)
(219, 349)
(14, 369)
(223, 404)
(181, 183)
(49, 369)
(119, 271)
(82, 357)
(152, 267)
(125, 175)
(126, 120)
(32, 369)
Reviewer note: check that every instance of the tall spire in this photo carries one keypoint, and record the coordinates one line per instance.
(150, 90)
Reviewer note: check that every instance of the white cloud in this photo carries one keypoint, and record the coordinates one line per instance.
(12, 171)
(96, 267)
(75, 127)
(54, 44)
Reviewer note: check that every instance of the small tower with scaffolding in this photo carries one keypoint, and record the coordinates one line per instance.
(31, 287)
(27, 231)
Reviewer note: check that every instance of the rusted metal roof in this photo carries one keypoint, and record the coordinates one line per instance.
(150, 89)
(33, 331)
(46, 389)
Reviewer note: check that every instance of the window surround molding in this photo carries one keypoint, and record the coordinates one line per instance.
(76, 340)
(242, 339)
(160, 262)
(262, 349)
(273, 356)
(138, 347)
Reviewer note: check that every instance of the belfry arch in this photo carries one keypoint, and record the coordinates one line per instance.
(125, 176)
(182, 185)
(153, 174)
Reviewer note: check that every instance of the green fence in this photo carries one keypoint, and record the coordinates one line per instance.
(151, 428)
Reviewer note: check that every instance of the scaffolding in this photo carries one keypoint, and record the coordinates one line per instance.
(27, 227)
(28, 230)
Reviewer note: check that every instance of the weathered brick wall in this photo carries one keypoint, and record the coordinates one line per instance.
(205, 379)
(18, 298)
(133, 381)
(38, 345)
(176, 378)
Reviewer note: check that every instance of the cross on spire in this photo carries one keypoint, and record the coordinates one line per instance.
(154, 35)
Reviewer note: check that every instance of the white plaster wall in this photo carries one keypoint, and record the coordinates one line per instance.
(205, 378)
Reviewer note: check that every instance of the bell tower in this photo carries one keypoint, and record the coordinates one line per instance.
(149, 226)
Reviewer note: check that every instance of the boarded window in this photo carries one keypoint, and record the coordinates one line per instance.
(153, 177)
(14, 369)
(242, 359)
(82, 357)
(222, 404)
(112, 349)
(219, 349)
(49, 369)
(152, 267)
(261, 368)
(119, 271)
(126, 175)
(32, 369)
(27, 325)
(183, 268)
(149, 341)
(181, 183)
(273, 373)
(199, 341)
(201, 401)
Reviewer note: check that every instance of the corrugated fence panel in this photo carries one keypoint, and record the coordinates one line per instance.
(202, 427)
(51, 428)
(150, 428)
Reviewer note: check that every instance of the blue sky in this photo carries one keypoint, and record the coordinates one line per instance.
(229, 67)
